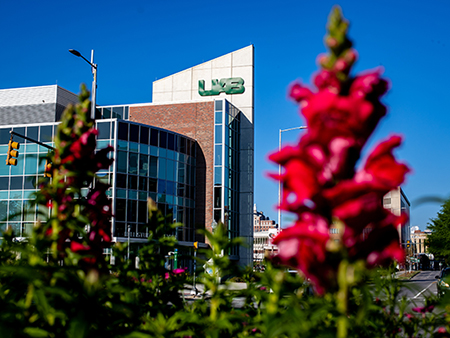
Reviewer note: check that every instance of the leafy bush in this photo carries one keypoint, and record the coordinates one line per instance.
(59, 284)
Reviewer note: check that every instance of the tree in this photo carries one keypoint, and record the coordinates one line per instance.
(438, 241)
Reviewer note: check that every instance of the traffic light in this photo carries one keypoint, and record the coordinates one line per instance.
(11, 157)
(196, 245)
(48, 168)
(408, 244)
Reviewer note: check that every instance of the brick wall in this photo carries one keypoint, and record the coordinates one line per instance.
(195, 120)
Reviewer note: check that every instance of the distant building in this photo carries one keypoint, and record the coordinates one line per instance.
(264, 230)
(396, 202)
(414, 228)
(418, 241)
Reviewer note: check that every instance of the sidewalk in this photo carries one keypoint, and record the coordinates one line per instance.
(189, 294)
(402, 274)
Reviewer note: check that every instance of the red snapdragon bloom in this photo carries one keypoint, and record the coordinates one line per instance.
(303, 246)
(369, 85)
(321, 184)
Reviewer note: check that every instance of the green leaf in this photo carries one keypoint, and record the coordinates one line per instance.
(36, 332)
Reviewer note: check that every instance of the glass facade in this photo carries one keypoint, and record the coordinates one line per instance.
(113, 112)
(18, 183)
(149, 162)
(226, 166)
(155, 163)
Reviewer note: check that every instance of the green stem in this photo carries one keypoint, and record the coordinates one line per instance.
(342, 300)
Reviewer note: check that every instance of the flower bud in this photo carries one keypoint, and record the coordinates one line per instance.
(327, 79)
(341, 66)
(299, 93)
(323, 60)
(350, 56)
(331, 42)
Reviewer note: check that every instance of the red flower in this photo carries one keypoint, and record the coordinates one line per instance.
(84, 145)
(381, 168)
(331, 114)
(320, 183)
(303, 246)
(299, 93)
(380, 174)
(369, 84)
(327, 80)
(379, 244)
(358, 213)
(78, 247)
(424, 309)
(101, 159)
(299, 179)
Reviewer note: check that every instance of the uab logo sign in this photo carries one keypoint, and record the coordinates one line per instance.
(233, 85)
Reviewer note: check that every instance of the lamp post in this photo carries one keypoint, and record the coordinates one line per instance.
(94, 82)
(279, 170)
(128, 246)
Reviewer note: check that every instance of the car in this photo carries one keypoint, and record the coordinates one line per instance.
(443, 283)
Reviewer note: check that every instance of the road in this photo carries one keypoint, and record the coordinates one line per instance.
(418, 287)
(415, 290)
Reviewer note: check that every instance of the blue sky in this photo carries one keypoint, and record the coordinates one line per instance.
(137, 42)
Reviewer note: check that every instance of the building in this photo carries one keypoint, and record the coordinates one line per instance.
(418, 239)
(262, 222)
(191, 150)
(264, 230)
(397, 203)
(394, 201)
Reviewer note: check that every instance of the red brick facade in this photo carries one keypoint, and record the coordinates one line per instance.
(195, 120)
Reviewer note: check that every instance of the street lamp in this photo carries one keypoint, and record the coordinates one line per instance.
(279, 171)
(128, 246)
(94, 82)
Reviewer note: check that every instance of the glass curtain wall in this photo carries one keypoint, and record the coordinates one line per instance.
(149, 162)
(226, 167)
(155, 163)
(18, 183)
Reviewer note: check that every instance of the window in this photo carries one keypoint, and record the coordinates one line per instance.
(104, 129)
(117, 112)
(134, 133)
(120, 209)
(32, 132)
(133, 163)
(162, 139)
(131, 211)
(154, 137)
(106, 113)
(143, 183)
(218, 155)
(16, 183)
(145, 131)
(153, 166)
(30, 164)
(121, 181)
(171, 141)
(218, 134)
(122, 160)
(132, 182)
(143, 165)
(46, 134)
(162, 168)
(123, 131)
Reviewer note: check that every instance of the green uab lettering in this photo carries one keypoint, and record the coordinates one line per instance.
(234, 85)
(216, 88)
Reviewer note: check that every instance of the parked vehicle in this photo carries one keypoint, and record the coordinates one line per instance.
(443, 283)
